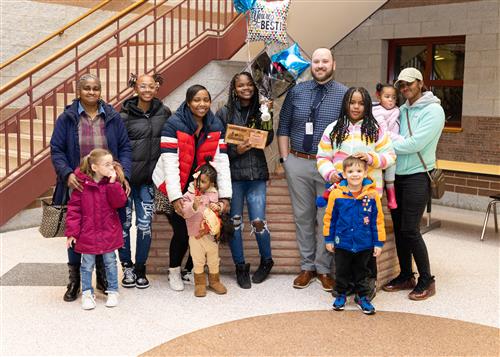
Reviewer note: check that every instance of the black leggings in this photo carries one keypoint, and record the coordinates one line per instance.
(179, 243)
(412, 196)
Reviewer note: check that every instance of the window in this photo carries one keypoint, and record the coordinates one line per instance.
(441, 61)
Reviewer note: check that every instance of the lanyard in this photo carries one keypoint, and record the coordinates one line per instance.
(314, 109)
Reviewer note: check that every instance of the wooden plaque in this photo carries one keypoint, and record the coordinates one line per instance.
(236, 134)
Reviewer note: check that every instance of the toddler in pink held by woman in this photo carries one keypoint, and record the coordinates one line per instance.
(386, 112)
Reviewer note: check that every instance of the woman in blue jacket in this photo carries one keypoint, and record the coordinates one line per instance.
(85, 124)
(422, 120)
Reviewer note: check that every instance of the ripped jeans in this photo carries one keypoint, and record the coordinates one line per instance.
(254, 192)
(142, 198)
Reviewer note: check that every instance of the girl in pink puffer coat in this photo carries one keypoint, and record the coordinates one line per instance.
(92, 222)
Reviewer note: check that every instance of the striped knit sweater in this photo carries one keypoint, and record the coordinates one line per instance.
(330, 157)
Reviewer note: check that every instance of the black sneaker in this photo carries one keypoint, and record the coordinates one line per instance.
(243, 275)
(141, 282)
(262, 271)
(129, 277)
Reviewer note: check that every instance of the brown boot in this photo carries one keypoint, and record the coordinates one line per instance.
(200, 285)
(215, 285)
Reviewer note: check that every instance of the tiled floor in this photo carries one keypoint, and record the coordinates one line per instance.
(35, 320)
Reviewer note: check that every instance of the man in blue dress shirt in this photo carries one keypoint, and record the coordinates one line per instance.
(308, 109)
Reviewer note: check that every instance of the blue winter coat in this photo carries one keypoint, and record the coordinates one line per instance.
(354, 224)
(65, 147)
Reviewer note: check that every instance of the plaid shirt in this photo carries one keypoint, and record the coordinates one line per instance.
(91, 132)
(297, 107)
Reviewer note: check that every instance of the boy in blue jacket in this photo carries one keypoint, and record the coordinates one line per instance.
(353, 227)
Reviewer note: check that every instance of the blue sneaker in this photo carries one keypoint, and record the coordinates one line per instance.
(365, 305)
(339, 303)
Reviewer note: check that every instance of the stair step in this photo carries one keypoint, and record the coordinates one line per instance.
(25, 140)
(12, 159)
(37, 127)
(49, 112)
(60, 99)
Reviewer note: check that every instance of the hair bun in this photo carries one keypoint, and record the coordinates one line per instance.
(379, 87)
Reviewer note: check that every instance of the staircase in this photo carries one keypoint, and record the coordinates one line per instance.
(174, 41)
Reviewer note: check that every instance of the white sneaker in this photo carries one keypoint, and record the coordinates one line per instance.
(88, 300)
(175, 279)
(187, 277)
(112, 300)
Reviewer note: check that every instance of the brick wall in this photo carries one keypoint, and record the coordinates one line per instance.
(472, 184)
(479, 141)
(283, 242)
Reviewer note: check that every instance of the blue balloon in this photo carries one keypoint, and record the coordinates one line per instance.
(243, 6)
(292, 60)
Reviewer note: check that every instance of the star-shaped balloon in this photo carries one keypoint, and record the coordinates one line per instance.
(292, 60)
(243, 6)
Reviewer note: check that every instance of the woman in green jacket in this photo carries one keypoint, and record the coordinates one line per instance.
(422, 120)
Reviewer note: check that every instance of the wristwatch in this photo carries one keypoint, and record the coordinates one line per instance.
(282, 160)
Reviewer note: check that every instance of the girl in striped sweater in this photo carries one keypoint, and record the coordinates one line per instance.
(355, 133)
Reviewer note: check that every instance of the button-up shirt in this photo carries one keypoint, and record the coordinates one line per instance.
(296, 111)
(91, 131)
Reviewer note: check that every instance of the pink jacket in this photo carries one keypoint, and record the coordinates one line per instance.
(387, 119)
(194, 218)
(92, 216)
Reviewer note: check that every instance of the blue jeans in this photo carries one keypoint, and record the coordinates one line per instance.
(87, 267)
(141, 197)
(254, 192)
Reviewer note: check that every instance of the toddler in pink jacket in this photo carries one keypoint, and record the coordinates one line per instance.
(387, 115)
(92, 222)
(201, 209)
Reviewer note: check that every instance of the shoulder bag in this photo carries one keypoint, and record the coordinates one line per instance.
(436, 176)
(161, 203)
(54, 217)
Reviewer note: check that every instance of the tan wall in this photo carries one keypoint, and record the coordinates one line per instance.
(319, 23)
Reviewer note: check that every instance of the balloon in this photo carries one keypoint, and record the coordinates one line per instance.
(291, 60)
(243, 6)
(268, 21)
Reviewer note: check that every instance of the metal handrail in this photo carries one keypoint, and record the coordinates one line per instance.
(56, 33)
(70, 47)
(42, 104)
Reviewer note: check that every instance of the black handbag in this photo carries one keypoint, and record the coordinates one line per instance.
(436, 176)
(54, 218)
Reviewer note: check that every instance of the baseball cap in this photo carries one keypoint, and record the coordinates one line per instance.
(409, 75)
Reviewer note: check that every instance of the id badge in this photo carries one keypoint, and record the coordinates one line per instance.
(309, 128)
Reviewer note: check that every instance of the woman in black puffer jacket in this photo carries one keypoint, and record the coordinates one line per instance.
(249, 174)
(144, 117)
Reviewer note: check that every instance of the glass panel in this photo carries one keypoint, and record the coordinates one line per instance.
(451, 101)
(410, 56)
(448, 61)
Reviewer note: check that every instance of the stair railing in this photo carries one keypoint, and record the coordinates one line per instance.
(58, 32)
(145, 50)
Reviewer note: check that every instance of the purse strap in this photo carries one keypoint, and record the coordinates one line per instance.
(418, 152)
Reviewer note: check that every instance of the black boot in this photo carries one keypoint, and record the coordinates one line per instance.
(262, 271)
(141, 281)
(74, 283)
(100, 273)
(243, 275)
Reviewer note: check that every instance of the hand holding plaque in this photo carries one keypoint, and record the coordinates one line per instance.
(236, 134)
